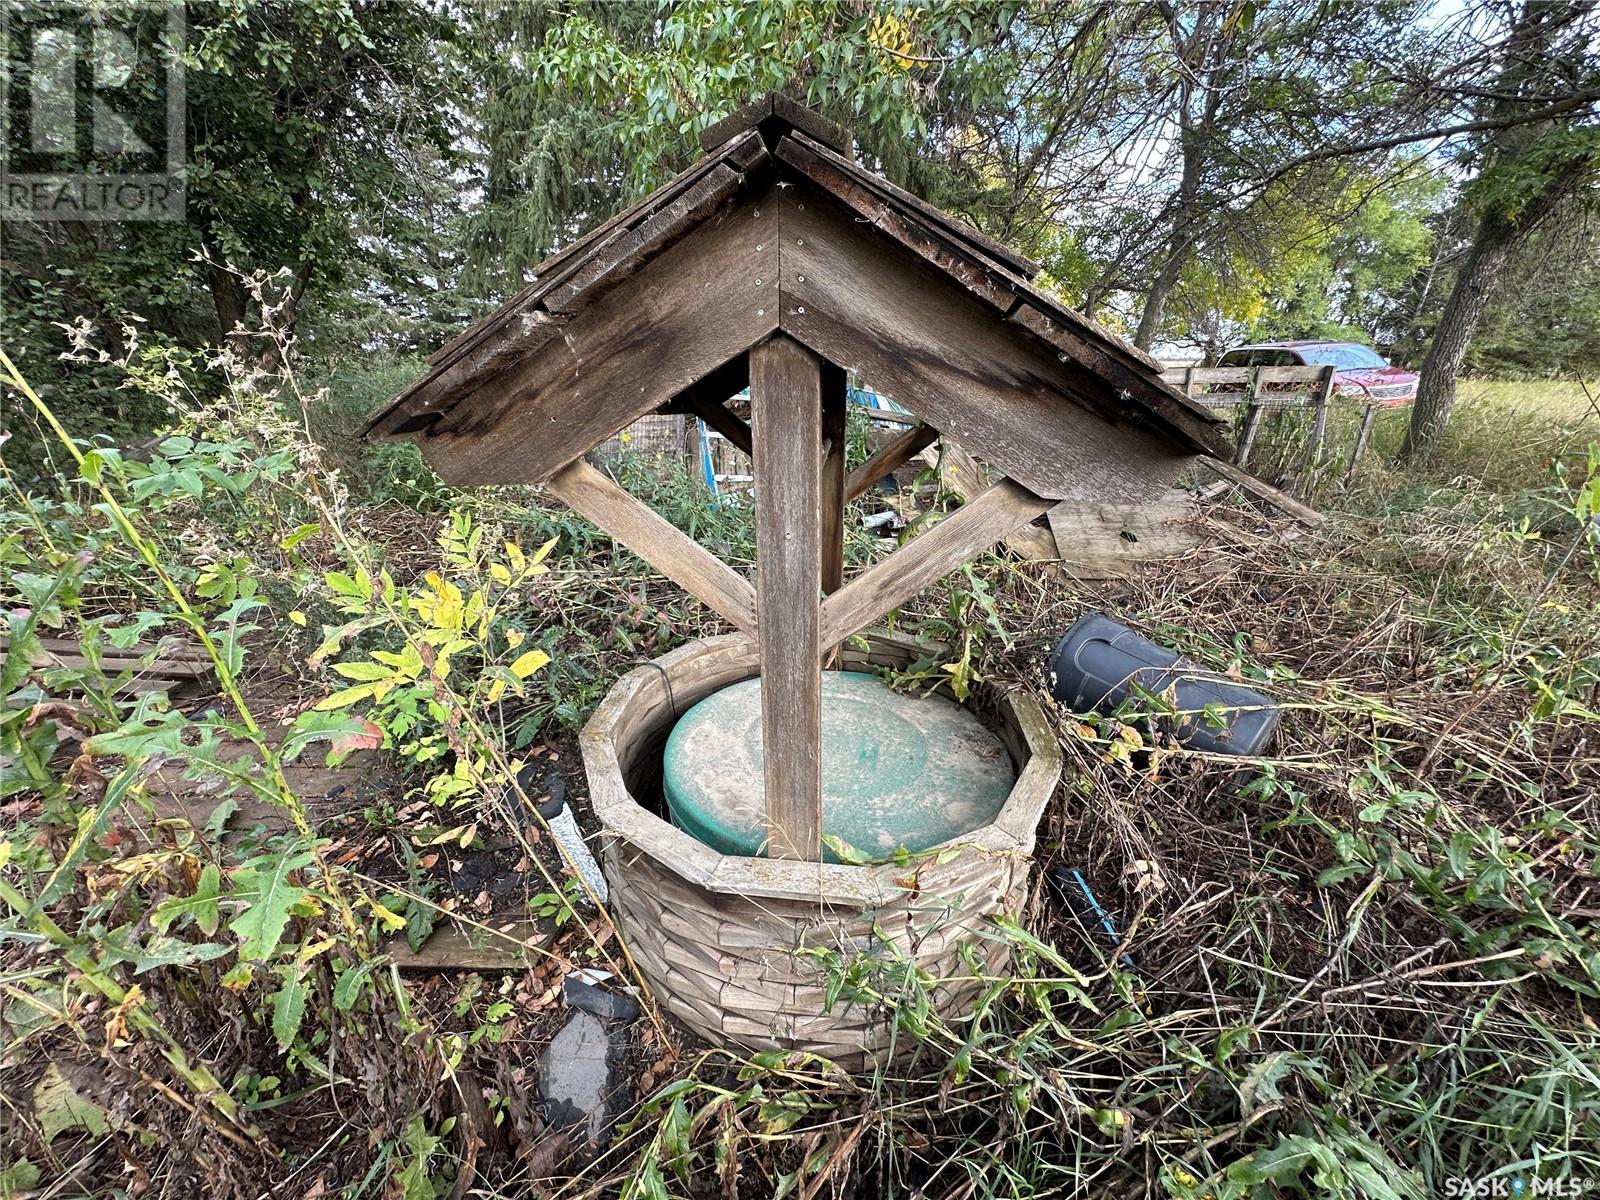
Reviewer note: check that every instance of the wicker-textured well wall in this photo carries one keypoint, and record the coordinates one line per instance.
(721, 939)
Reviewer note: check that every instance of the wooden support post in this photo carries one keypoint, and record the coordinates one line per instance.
(786, 408)
(1252, 419)
(1364, 433)
(832, 498)
(1319, 428)
(893, 455)
(660, 543)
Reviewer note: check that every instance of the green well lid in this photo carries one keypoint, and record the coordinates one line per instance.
(896, 770)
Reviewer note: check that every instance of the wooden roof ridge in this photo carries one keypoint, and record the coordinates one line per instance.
(775, 134)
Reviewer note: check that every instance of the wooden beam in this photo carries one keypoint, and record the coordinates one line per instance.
(831, 498)
(1265, 491)
(890, 457)
(786, 407)
(719, 416)
(707, 398)
(1252, 420)
(964, 477)
(961, 536)
(661, 544)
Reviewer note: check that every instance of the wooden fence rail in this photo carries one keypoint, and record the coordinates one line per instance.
(1259, 390)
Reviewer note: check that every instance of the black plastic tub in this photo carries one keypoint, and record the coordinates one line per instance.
(1100, 663)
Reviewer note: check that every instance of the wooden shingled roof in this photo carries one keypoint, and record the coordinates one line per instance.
(478, 382)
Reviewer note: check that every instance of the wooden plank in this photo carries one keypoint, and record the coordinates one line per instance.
(707, 298)
(661, 544)
(831, 498)
(926, 558)
(1104, 541)
(170, 649)
(717, 415)
(1319, 428)
(160, 668)
(626, 255)
(1192, 379)
(890, 458)
(1265, 491)
(453, 946)
(786, 406)
(1306, 379)
(1252, 420)
(987, 383)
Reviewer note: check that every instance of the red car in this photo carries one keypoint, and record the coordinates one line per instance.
(1362, 372)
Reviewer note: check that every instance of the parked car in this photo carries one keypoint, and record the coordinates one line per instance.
(1362, 374)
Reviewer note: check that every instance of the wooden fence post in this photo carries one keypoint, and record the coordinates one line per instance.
(1319, 427)
(786, 413)
(1252, 418)
(1362, 435)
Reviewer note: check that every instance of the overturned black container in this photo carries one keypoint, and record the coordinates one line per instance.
(1099, 662)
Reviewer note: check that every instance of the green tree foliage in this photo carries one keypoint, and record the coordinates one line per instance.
(586, 106)
(304, 121)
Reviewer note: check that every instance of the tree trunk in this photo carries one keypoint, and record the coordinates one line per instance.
(227, 296)
(1155, 300)
(1436, 389)
(1535, 28)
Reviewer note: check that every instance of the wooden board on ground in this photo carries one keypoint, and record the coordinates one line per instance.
(172, 665)
(506, 946)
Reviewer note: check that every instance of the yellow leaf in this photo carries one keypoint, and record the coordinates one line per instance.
(540, 554)
(528, 663)
(515, 636)
(496, 690)
(501, 573)
(390, 921)
(298, 617)
(514, 553)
